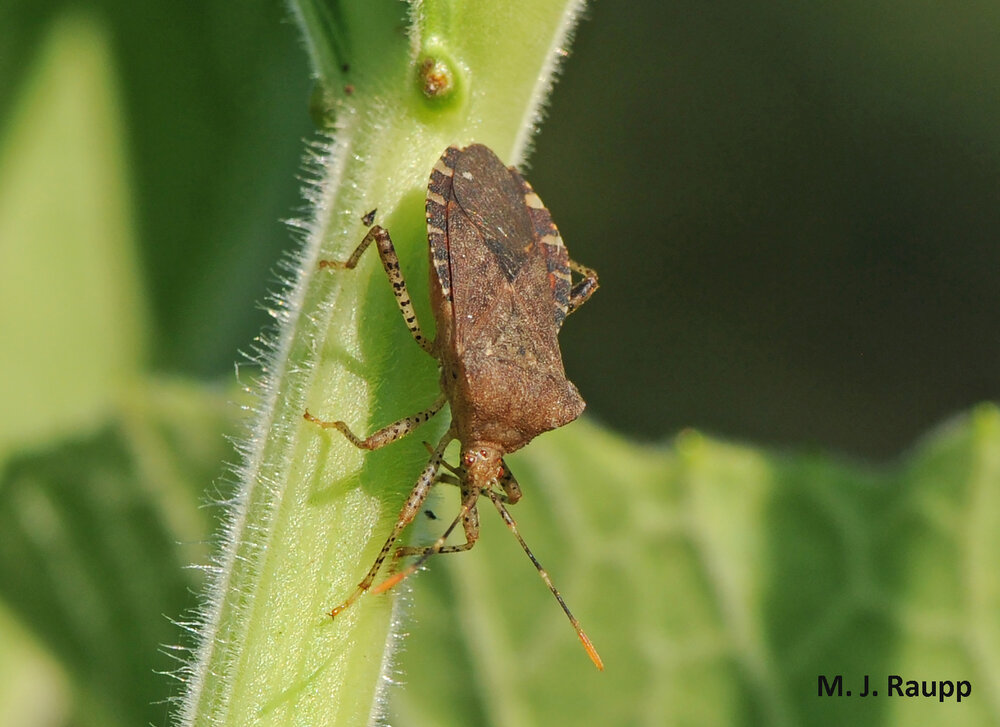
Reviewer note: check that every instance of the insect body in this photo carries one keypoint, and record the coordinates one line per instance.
(501, 288)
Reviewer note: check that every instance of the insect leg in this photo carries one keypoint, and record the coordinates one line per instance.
(417, 496)
(385, 435)
(512, 490)
(446, 479)
(390, 261)
(468, 505)
(470, 523)
(582, 291)
(512, 526)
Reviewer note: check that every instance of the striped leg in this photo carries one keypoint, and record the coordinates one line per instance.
(470, 523)
(511, 490)
(468, 505)
(406, 515)
(582, 291)
(385, 435)
(390, 261)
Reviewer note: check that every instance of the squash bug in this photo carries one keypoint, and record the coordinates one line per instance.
(501, 287)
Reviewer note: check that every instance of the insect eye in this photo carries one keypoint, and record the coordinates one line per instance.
(483, 453)
(469, 458)
(499, 472)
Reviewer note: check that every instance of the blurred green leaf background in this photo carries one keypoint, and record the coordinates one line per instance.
(794, 211)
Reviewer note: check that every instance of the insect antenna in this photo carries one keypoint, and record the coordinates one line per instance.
(512, 526)
(432, 550)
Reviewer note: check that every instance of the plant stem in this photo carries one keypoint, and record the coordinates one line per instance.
(313, 509)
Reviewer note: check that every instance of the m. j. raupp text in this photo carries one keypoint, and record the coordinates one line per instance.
(897, 686)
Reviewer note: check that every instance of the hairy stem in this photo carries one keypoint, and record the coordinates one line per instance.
(314, 510)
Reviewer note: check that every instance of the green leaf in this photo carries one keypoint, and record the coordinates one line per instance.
(101, 473)
(71, 313)
(719, 582)
(34, 691)
(98, 536)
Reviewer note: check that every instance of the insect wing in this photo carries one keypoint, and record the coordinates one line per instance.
(438, 194)
(490, 196)
(552, 249)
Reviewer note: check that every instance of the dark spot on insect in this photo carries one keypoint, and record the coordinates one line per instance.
(369, 218)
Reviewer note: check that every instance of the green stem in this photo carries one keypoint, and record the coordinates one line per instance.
(314, 510)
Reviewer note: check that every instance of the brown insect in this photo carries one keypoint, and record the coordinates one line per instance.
(501, 288)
